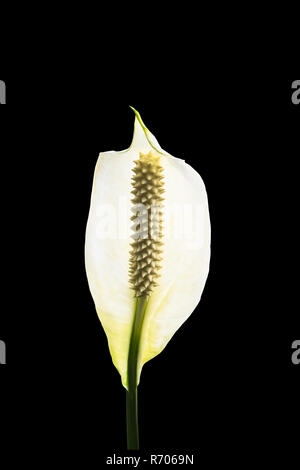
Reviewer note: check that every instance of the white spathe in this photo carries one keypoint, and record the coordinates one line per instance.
(186, 249)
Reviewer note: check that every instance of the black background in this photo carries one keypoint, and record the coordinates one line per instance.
(225, 386)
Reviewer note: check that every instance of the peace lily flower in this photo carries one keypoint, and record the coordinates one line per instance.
(147, 253)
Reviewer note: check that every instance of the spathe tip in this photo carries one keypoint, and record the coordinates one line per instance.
(138, 116)
(146, 131)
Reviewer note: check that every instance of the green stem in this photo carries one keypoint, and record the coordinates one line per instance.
(131, 393)
(132, 420)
